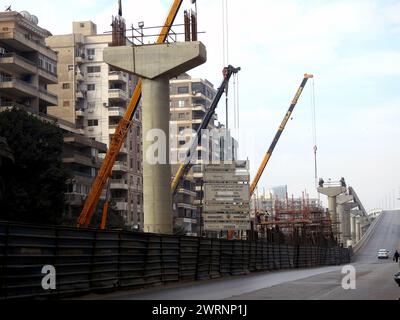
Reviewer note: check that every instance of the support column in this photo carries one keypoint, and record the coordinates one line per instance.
(345, 204)
(332, 192)
(353, 229)
(332, 205)
(358, 229)
(156, 64)
(156, 177)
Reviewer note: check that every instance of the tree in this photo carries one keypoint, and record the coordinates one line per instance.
(35, 182)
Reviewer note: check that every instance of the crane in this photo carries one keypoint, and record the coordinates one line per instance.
(120, 135)
(281, 128)
(185, 168)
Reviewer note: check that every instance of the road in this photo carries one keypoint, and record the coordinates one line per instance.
(374, 279)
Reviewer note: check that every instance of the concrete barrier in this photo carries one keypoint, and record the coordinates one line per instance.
(360, 244)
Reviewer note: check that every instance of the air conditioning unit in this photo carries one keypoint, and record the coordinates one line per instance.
(91, 111)
(91, 57)
(90, 128)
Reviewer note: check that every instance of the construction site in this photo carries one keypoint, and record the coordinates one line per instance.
(163, 161)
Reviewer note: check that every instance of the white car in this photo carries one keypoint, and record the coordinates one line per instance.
(383, 254)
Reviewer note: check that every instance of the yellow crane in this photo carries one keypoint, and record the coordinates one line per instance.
(281, 128)
(119, 137)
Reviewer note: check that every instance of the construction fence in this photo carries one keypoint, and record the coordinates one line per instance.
(88, 261)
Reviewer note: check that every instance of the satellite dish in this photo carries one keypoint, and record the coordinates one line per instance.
(26, 15)
(34, 19)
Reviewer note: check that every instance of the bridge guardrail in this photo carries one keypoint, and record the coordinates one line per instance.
(89, 260)
(367, 234)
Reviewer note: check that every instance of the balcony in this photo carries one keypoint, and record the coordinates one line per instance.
(118, 76)
(13, 63)
(80, 113)
(47, 77)
(186, 206)
(199, 107)
(80, 94)
(119, 184)
(120, 166)
(79, 77)
(80, 59)
(117, 95)
(48, 97)
(121, 205)
(18, 87)
(75, 199)
(19, 41)
(117, 112)
(124, 150)
(187, 192)
(82, 159)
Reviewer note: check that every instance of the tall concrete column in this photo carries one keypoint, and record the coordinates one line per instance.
(358, 229)
(156, 178)
(353, 228)
(332, 205)
(345, 204)
(332, 192)
(156, 64)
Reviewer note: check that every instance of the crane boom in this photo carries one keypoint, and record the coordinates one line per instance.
(185, 168)
(121, 133)
(281, 128)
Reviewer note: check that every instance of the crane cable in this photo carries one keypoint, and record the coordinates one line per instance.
(314, 133)
(225, 51)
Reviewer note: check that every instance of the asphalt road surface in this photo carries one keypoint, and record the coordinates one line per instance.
(374, 278)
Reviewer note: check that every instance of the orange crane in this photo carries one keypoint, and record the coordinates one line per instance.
(119, 138)
(281, 128)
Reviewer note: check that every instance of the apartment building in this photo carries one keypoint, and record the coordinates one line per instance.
(81, 157)
(94, 97)
(190, 100)
(27, 65)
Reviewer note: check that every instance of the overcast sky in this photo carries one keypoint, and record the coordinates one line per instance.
(352, 48)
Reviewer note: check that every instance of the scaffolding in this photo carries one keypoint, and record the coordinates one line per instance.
(297, 221)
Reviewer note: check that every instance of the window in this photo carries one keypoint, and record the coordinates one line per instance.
(70, 67)
(94, 69)
(181, 103)
(82, 25)
(65, 103)
(65, 86)
(183, 90)
(91, 87)
(199, 87)
(47, 64)
(181, 116)
(181, 129)
(91, 52)
(93, 123)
